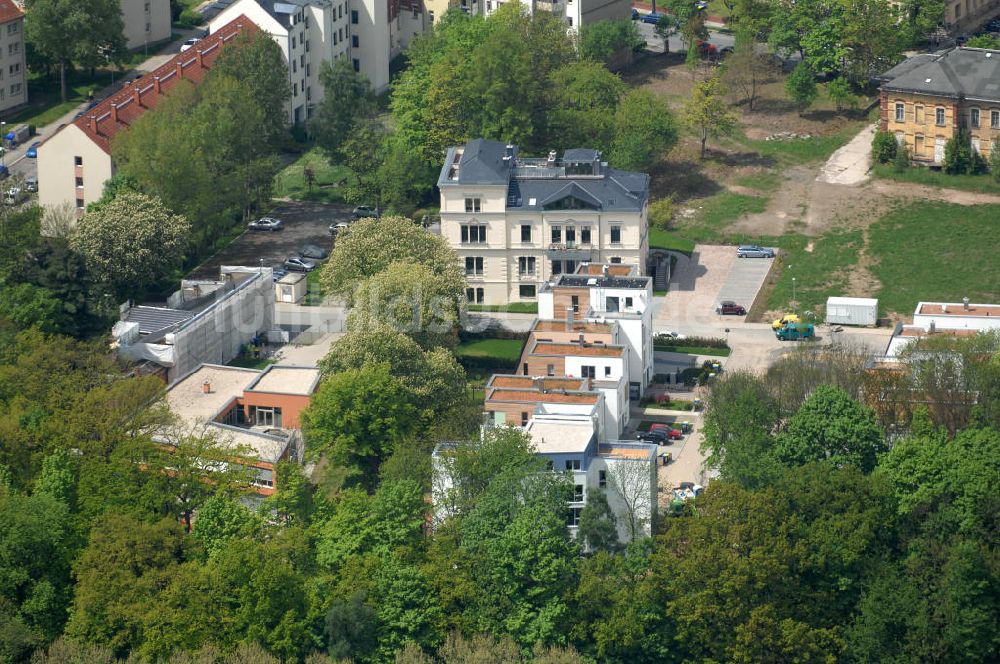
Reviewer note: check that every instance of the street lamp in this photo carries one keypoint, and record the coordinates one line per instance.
(794, 301)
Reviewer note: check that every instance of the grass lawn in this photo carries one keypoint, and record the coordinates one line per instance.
(694, 350)
(314, 289)
(713, 214)
(661, 239)
(763, 181)
(819, 273)
(984, 184)
(513, 307)
(44, 104)
(802, 150)
(938, 252)
(291, 182)
(504, 351)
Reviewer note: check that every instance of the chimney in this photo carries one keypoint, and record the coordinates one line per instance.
(552, 157)
(180, 68)
(206, 387)
(93, 124)
(137, 96)
(156, 84)
(509, 151)
(582, 341)
(114, 114)
(604, 270)
(965, 303)
(201, 58)
(569, 319)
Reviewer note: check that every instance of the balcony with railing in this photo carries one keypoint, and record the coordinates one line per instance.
(570, 251)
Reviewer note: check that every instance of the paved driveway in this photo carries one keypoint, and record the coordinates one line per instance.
(699, 283)
(305, 223)
(850, 164)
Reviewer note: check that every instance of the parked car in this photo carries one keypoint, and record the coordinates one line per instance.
(189, 43)
(781, 322)
(4, 171)
(652, 18)
(299, 264)
(672, 433)
(339, 227)
(753, 251)
(31, 183)
(266, 224)
(670, 334)
(707, 50)
(730, 308)
(313, 251)
(364, 212)
(658, 437)
(32, 152)
(795, 332)
(725, 51)
(278, 273)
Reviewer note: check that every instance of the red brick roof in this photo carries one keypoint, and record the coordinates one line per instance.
(116, 113)
(9, 11)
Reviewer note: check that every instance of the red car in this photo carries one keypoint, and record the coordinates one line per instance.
(707, 50)
(672, 433)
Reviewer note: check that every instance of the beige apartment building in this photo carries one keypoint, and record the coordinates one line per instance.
(13, 70)
(966, 16)
(927, 98)
(517, 222)
(145, 22)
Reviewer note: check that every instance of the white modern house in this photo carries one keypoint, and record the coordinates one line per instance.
(368, 32)
(517, 222)
(576, 13)
(955, 319)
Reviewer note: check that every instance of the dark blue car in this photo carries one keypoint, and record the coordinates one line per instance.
(652, 17)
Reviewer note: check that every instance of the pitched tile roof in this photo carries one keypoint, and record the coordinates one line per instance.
(971, 73)
(9, 11)
(116, 113)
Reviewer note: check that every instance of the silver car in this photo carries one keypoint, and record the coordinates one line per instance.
(753, 251)
(299, 264)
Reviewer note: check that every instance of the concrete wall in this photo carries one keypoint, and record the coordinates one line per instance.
(13, 70)
(57, 171)
(146, 22)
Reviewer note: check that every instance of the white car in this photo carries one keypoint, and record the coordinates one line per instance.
(670, 334)
(189, 43)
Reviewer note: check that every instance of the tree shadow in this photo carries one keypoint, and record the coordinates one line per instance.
(740, 159)
(681, 179)
(773, 105)
(649, 67)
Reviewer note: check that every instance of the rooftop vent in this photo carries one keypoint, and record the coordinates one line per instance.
(989, 55)
(927, 80)
(552, 157)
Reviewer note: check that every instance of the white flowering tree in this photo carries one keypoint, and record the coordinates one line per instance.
(131, 242)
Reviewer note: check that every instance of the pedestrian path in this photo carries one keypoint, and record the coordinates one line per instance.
(850, 164)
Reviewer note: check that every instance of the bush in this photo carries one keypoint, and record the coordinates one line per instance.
(995, 159)
(189, 19)
(960, 158)
(661, 213)
(839, 92)
(884, 147)
(801, 86)
(702, 342)
(901, 161)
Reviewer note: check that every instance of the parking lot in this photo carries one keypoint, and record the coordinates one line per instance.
(305, 223)
(711, 274)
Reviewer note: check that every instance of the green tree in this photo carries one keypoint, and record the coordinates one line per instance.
(607, 41)
(801, 87)
(839, 92)
(995, 159)
(257, 63)
(901, 161)
(746, 69)
(707, 113)
(405, 178)
(644, 130)
(118, 576)
(585, 96)
(31, 306)
(983, 41)
(35, 550)
(661, 213)
(351, 625)
(410, 298)
(831, 426)
(921, 18)
(131, 243)
(82, 31)
(356, 417)
(665, 26)
(598, 529)
(57, 478)
(223, 518)
(347, 98)
(364, 151)
(960, 158)
(372, 245)
(294, 500)
(740, 418)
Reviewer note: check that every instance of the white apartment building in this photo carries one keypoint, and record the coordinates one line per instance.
(368, 32)
(517, 222)
(576, 13)
(146, 22)
(13, 70)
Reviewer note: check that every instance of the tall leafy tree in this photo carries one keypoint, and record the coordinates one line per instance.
(82, 31)
(131, 243)
(707, 113)
(347, 98)
(644, 130)
(586, 96)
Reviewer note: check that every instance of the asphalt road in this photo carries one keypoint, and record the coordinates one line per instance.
(655, 44)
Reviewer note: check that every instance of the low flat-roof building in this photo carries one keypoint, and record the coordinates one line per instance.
(255, 413)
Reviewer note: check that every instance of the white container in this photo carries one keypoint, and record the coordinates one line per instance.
(851, 311)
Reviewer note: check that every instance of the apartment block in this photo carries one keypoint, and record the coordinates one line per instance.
(75, 162)
(370, 33)
(255, 413)
(927, 98)
(13, 69)
(517, 222)
(576, 13)
(146, 22)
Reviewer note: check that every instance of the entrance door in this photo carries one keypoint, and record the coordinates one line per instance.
(939, 150)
